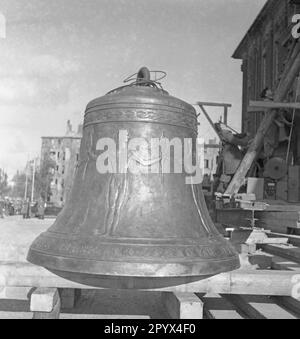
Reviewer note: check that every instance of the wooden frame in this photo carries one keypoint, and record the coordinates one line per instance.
(264, 282)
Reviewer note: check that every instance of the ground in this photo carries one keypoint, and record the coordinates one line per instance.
(17, 235)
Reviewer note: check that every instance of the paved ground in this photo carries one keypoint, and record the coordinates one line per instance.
(17, 234)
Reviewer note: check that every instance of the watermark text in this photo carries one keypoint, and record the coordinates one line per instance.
(296, 27)
(154, 156)
(296, 287)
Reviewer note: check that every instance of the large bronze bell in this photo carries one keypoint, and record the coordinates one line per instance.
(134, 230)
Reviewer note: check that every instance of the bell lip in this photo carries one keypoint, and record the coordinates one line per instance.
(126, 269)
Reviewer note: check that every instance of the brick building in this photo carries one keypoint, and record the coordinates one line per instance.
(64, 150)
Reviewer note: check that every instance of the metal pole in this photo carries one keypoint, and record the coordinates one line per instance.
(26, 184)
(33, 179)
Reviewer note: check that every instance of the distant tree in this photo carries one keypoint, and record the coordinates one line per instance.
(44, 177)
(4, 187)
(18, 190)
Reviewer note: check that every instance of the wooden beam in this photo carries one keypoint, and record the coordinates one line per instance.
(259, 307)
(288, 252)
(289, 75)
(293, 239)
(256, 110)
(213, 104)
(288, 303)
(279, 263)
(226, 115)
(237, 282)
(183, 305)
(69, 298)
(274, 105)
(45, 303)
(15, 293)
(217, 307)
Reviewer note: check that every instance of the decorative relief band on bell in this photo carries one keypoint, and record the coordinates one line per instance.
(144, 116)
(136, 106)
(133, 253)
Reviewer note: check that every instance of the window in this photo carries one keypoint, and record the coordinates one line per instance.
(264, 72)
(206, 164)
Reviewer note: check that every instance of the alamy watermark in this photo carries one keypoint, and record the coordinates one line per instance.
(2, 26)
(296, 287)
(296, 27)
(154, 156)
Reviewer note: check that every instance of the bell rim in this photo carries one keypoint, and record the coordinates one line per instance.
(200, 267)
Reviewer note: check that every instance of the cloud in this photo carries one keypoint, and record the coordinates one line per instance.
(14, 88)
(48, 65)
(32, 80)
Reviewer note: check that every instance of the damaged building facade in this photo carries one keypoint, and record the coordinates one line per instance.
(265, 52)
(64, 151)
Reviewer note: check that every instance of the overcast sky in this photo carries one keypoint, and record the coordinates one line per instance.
(60, 54)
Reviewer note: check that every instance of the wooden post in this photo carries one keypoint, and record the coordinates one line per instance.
(226, 115)
(69, 297)
(183, 305)
(289, 75)
(45, 303)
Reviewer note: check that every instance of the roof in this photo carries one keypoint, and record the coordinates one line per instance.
(260, 18)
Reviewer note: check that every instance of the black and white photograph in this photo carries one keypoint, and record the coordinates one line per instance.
(149, 162)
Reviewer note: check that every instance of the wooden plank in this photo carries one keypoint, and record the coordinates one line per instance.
(273, 104)
(244, 307)
(44, 300)
(260, 307)
(289, 303)
(279, 263)
(15, 293)
(274, 241)
(263, 282)
(217, 307)
(290, 252)
(69, 297)
(45, 303)
(293, 239)
(72, 316)
(183, 305)
(213, 104)
(276, 218)
(53, 315)
(256, 110)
